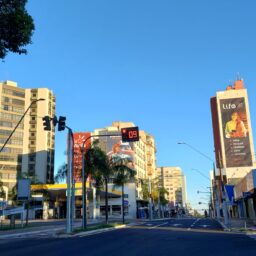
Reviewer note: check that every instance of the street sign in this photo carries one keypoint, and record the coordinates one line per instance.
(126, 202)
(24, 189)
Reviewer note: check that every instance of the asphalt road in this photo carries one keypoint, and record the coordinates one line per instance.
(159, 238)
(187, 223)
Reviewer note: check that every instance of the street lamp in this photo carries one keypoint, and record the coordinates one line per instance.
(7, 140)
(196, 150)
(210, 159)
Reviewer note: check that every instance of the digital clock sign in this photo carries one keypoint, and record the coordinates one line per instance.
(130, 134)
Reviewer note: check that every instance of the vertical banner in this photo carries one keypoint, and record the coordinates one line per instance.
(79, 138)
(235, 132)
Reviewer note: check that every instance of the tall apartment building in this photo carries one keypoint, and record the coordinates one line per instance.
(233, 141)
(12, 102)
(30, 149)
(174, 181)
(38, 144)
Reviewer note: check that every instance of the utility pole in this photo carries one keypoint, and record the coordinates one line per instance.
(84, 180)
(150, 199)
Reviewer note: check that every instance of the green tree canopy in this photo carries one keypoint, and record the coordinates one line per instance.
(16, 27)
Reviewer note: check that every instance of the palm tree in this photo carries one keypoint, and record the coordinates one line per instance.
(100, 169)
(97, 166)
(61, 173)
(2, 192)
(123, 174)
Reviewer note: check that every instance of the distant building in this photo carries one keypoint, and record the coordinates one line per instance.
(30, 149)
(174, 181)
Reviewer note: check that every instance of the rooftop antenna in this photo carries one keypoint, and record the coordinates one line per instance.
(238, 76)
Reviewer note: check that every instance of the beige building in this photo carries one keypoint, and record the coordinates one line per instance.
(12, 104)
(30, 149)
(143, 152)
(174, 181)
(38, 147)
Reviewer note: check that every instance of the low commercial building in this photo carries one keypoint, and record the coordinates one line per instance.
(244, 205)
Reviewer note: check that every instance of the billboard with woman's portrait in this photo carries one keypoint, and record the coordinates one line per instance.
(235, 132)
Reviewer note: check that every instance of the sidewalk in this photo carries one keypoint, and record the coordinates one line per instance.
(43, 227)
(239, 225)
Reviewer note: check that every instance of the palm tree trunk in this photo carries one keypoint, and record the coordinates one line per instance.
(106, 200)
(123, 201)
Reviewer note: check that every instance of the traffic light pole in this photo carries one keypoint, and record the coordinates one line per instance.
(70, 183)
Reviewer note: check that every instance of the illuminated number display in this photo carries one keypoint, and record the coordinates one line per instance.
(130, 134)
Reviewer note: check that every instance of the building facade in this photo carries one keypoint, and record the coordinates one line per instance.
(12, 102)
(234, 149)
(174, 181)
(38, 144)
(30, 149)
(140, 156)
(233, 141)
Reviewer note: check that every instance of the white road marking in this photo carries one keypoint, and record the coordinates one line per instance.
(175, 225)
(252, 236)
(204, 226)
(162, 224)
(193, 224)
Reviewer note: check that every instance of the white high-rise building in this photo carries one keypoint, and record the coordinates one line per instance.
(30, 149)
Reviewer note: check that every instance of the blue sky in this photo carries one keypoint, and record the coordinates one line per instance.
(156, 63)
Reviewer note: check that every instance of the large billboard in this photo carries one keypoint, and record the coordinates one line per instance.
(118, 150)
(235, 132)
(79, 139)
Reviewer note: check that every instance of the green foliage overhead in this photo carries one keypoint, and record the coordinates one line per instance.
(16, 27)
(157, 191)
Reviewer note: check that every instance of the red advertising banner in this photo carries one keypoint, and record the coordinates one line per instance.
(79, 139)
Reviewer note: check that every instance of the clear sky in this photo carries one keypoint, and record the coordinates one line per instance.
(153, 62)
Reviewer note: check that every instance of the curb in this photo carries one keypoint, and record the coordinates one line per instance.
(92, 232)
(21, 234)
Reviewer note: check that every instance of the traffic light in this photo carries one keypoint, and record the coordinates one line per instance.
(54, 120)
(47, 123)
(62, 123)
(130, 134)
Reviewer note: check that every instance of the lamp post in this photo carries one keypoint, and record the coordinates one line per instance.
(22, 117)
(210, 159)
